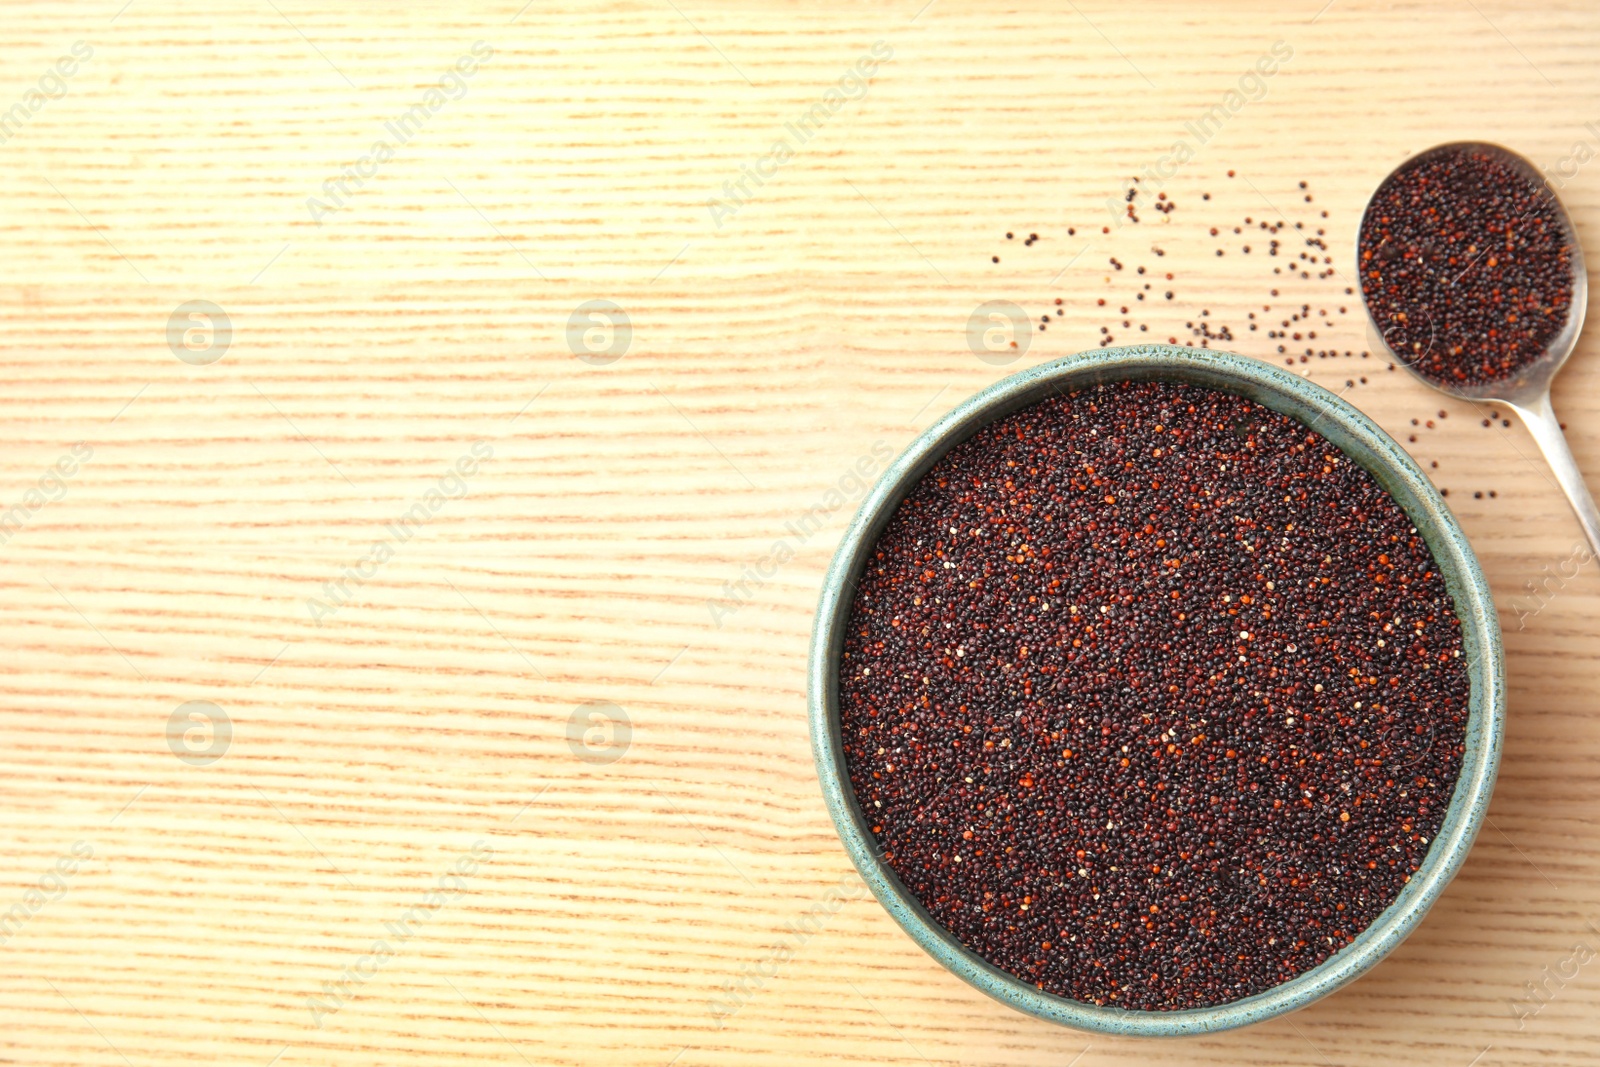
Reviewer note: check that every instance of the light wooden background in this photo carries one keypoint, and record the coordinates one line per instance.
(370, 752)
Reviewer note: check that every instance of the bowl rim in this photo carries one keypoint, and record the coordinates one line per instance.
(1354, 434)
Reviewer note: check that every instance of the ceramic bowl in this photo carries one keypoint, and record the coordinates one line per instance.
(1360, 439)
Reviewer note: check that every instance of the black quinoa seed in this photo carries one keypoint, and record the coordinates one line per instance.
(1152, 696)
(1466, 266)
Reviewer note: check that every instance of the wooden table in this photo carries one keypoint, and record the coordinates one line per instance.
(400, 746)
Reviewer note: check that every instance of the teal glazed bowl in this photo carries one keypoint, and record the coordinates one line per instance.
(1357, 437)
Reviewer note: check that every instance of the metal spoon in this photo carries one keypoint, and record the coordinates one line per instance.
(1528, 393)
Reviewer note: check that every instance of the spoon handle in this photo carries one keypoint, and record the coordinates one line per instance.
(1540, 418)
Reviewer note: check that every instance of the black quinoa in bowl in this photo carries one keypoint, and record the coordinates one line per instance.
(1151, 696)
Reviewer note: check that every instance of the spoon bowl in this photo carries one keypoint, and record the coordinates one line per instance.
(1527, 392)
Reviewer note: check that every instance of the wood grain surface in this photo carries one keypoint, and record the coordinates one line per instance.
(403, 746)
